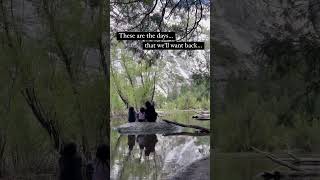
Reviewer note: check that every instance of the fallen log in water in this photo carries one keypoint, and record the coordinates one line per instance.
(295, 158)
(301, 174)
(202, 117)
(294, 164)
(288, 174)
(303, 161)
(278, 160)
(202, 129)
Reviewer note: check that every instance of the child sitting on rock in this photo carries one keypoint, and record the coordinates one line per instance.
(141, 115)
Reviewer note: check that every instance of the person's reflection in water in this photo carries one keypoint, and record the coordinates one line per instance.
(70, 163)
(140, 141)
(131, 142)
(101, 164)
(150, 143)
(147, 143)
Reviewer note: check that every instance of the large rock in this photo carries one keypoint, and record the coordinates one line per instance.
(159, 127)
(198, 170)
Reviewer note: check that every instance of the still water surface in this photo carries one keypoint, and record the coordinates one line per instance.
(161, 156)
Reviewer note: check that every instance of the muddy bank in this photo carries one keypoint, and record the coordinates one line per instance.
(198, 170)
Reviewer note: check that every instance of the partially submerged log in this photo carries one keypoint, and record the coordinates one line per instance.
(295, 158)
(301, 174)
(303, 161)
(202, 129)
(278, 160)
(288, 174)
(202, 117)
(294, 164)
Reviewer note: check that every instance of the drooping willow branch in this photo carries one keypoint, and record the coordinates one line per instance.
(128, 15)
(44, 116)
(118, 89)
(145, 17)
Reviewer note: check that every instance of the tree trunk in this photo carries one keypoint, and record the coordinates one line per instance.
(44, 117)
(3, 142)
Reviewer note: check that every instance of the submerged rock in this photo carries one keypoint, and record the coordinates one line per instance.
(177, 157)
(159, 127)
(198, 170)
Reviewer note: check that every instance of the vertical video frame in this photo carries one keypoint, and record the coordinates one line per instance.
(160, 89)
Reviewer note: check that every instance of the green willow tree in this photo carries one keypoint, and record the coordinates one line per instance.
(133, 80)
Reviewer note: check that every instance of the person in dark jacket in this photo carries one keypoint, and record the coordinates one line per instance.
(70, 163)
(150, 113)
(131, 115)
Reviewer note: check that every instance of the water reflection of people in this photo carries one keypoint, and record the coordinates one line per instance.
(70, 163)
(101, 164)
(147, 143)
(131, 142)
(150, 143)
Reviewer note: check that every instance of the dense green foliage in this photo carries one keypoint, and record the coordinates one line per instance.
(191, 96)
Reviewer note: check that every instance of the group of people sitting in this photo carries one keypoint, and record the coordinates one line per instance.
(146, 143)
(146, 114)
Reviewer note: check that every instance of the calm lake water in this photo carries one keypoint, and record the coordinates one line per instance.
(162, 155)
(244, 166)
